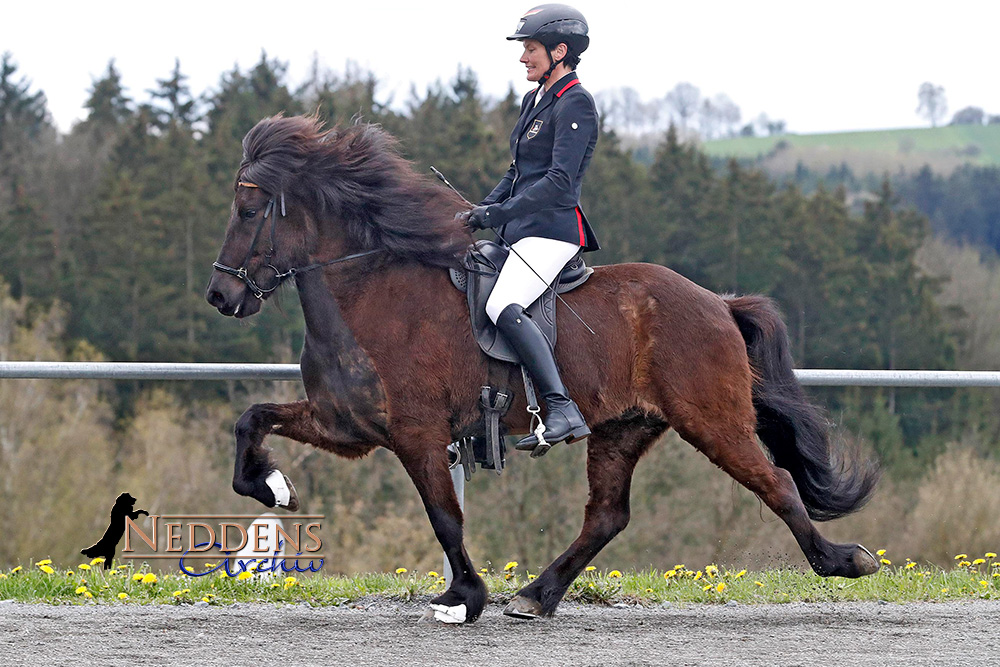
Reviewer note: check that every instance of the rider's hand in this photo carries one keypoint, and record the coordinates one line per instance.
(479, 218)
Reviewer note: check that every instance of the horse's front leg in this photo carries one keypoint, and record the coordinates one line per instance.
(255, 473)
(426, 462)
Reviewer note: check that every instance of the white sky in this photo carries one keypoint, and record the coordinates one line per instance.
(820, 66)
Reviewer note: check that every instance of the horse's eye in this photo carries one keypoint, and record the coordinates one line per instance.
(249, 214)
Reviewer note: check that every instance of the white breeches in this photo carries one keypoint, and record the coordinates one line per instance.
(517, 283)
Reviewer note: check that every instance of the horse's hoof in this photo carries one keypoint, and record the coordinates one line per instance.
(283, 490)
(522, 607)
(439, 613)
(865, 562)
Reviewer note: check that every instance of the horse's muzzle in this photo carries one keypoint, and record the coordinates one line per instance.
(232, 298)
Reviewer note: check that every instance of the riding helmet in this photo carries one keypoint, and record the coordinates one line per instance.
(554, 24)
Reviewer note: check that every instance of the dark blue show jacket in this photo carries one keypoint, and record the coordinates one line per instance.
(551, 145)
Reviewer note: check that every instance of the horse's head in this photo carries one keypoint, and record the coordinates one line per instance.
(349, 194)
(266, 237)
(263, 244)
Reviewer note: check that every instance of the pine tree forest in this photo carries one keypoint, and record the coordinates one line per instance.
(107, 238)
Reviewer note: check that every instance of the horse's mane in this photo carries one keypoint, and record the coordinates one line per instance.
(357, 176)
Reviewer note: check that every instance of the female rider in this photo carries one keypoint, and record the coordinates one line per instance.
(537, 203)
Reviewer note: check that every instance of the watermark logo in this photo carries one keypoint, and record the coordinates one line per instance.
(261, 545)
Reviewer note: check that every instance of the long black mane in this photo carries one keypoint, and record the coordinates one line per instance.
(356, 177)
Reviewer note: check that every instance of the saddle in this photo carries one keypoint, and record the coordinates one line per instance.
(481, 268)
(482, 265)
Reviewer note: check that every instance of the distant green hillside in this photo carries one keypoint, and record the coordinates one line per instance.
(943, 148)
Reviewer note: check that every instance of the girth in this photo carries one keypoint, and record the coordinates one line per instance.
(482, 263)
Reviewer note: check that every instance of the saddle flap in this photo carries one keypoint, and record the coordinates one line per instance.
(483, 262)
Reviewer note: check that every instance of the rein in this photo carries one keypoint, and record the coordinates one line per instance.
(242, 274)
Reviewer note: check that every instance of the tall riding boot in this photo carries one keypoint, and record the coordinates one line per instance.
(563, 420)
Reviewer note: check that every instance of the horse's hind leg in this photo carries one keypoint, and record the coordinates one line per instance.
(736, 451)
(612, 452)
(427, 466)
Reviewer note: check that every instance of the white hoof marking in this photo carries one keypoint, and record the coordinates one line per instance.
(449, 614)
(278, 487)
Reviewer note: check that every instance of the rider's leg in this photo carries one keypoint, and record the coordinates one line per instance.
(517, 287)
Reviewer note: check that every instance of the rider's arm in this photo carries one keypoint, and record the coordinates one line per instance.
(575, 121)
(502, 191)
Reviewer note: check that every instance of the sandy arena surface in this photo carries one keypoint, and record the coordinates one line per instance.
(386, 633)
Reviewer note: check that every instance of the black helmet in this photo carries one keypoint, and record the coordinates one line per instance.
(552, 25)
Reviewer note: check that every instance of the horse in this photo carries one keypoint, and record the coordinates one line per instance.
(389, 359)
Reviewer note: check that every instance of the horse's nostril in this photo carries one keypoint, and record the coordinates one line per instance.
(215, 298)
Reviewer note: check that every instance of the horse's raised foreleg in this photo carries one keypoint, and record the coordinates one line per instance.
(255, 474)
(612, 453)
(465, 599)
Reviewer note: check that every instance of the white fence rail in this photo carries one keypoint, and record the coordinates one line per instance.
(86, 370)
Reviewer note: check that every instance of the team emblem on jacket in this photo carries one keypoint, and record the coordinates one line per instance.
(535, 127)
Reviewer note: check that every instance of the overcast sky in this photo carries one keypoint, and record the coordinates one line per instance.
(820, 66)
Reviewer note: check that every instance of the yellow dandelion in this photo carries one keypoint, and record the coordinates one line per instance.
(70, 573)
(649, 590)
(944, 590)
(46, 569)
(177, 594)
(83, 566)
(880, 552)
(979, 561)
(440, 580)
(721, 587)
(614, 574)
(205, 600)
(400, 570)
(243, 576)
(910, 565)
(433, 574)
(592, 585)
(47, 561)
(122, 567)
(711, 570)
(290, 581)
(698, 576)
(532, 576)
(149, 579)
(223, 574)
(886, 561)
(18, 569)
(510, 566)
(88, 595)
(2, 575)
(706, 587)
(137, 576)
(964, 563)
(679, 567)
(759, 584)
(961, 556)
(990, 554)
(81, 590)
(209, 566)
(589, 568)
(984, 584)
(123, 596)
(740, 574)
(996, 574)
(275, 585)
(670, 574)
(996, 564)
(483, 570)
(98, 561)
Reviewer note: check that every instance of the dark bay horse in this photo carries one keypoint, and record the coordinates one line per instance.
(389, 359)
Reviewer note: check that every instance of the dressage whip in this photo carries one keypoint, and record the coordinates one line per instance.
(516, 253)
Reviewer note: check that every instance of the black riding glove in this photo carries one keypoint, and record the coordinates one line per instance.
(479, 218)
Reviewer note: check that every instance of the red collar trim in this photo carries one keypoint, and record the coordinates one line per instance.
(567, 87)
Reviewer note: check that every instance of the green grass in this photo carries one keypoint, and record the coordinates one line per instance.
(978, 579)
(943, 148)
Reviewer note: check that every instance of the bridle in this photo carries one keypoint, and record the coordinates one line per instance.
(271, 210)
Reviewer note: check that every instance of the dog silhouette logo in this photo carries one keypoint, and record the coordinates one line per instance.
(112, 536)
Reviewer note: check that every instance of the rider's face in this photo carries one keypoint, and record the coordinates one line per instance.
(535, 59)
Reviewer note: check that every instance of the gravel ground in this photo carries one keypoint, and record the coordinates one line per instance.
(385, 633)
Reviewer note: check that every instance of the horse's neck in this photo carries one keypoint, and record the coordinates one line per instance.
(323, 318)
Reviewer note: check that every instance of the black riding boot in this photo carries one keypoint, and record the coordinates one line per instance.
(563, 420)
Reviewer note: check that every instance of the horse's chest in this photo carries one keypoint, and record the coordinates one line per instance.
(345, 391)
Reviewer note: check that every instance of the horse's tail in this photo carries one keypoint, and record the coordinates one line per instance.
(832, 482)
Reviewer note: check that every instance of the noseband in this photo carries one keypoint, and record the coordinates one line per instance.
(271, 210)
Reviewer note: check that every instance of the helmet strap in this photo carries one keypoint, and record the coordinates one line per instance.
(555, 63)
